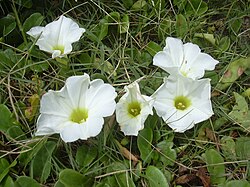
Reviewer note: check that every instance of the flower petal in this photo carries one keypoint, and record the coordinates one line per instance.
(35, 31)
(100, 99)
(94, 126)
(72, 132)
(191, 51)
(180, 121)
(77, 87)
(175, 48)
(132, 127)
(163, 60)
(56, 103)
(49, 124)
(206, 61)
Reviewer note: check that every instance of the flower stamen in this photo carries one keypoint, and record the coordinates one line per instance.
(181, 103)
(59, 48)
(134, 109)
(79, 115)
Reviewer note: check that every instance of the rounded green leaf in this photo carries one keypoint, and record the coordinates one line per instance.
(144, 141)
(235, 183)
(34, 20)
(168, 155)
(71, 178)
(41, 164)
(85, 155)
(155, 177)
(7, 25)
(181, 26)
(6, 120)
(25, 181)
(138, 5)
(153, 48)
(216, 166)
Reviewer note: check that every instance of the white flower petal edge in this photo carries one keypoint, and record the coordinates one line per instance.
(187, 59)
(133, 109)
(57, 36)
(77, 110)
(183, 102)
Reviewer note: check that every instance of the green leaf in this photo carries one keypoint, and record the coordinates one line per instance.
(236, 183)
(235, 25)
(41, 164)
(164, 28)
(152, 48)
(234, 71)
(144, 141)
(31, 111)
(4, 168)
(124, 26)
(224, 43)
(216, 166)
(7, 182)
(7, 30)
(167, 155)
(180, 4)
(6, 120)
(102, 29)
(6, 63)
(7, 25)
(25, 3)
(34, 20)
(59, 184)
(155, 177)
(181, 26)
(209, 37)
(25, 181)
(122, 176)
(113, 17)
(85, 155)
(138, 5)
(85, 59)
(242, 148)
(71, 178)
(228, 148)
(29, 152)
(15, 132)
(196, 7)
(105, 66)
(240, 112)
(127, 3)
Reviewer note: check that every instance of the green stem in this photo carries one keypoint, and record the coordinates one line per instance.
(19, 24)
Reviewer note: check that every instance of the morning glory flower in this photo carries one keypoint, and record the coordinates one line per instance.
(183, 102)
(57, 37)
(77, 110)
(185, 59)
(133, 109)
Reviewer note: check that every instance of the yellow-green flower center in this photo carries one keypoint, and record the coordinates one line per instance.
(134, 109)
(182, 103)
(79, 115)
(184, 73)
(59, 48)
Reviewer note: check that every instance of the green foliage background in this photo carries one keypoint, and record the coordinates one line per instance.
(120, 41)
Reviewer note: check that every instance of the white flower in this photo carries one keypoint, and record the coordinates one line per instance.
(57, 36)
(183, 102)
(186, 59)
(133, 109)
(77, 110)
